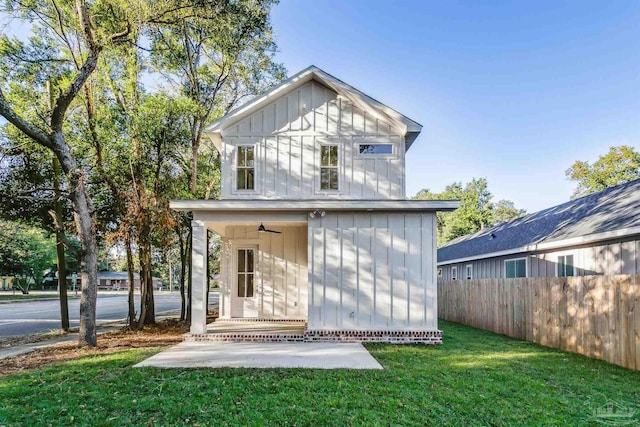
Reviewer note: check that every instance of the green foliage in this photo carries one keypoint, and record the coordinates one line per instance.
(25, 252)
(476, 211)
(619, 165)
(476, 378)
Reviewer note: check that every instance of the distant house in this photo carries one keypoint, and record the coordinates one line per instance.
(596, 234)
(119, 280)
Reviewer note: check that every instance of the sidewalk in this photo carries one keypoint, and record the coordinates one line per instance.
(17, 350)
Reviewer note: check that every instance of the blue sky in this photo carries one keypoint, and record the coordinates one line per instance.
(511, 91)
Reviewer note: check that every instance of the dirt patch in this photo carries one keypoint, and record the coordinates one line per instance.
(164, 334)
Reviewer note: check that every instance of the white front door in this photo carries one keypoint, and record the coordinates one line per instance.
(247, 303)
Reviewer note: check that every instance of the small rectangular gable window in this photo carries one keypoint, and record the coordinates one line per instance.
(376, 149)
(329, 167)
(246, 168)
(515, 268)
(565, 266)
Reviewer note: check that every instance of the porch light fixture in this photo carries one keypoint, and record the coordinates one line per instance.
(316, 213)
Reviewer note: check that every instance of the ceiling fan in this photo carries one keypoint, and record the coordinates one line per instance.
(262, 229)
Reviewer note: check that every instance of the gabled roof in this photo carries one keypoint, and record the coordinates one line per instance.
(358, 98)
(612, 213)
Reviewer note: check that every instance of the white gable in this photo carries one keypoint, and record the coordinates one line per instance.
(304, 96)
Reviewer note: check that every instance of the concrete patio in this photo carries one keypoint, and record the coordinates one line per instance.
(203, 354)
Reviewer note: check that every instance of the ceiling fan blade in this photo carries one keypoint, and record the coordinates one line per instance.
(263, 229)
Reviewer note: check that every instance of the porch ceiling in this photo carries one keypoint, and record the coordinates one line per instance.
(219, 227)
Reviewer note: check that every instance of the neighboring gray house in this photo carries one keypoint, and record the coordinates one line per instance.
(313, 216)
(596, 234)
(119, 280)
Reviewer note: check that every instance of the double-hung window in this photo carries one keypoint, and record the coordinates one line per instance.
(246, 168)
(565, 266)
(328, 167)
(515, 268)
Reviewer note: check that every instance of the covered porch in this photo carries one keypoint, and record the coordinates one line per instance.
(352, 270)
(263, 268)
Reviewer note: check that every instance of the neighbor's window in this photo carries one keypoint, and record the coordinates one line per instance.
(515, 268)
(376, 149)
(329, 167)
(245, 272)
(439, 273)
(565, 266)
(454, 273)
(469, 269)
(246, 168)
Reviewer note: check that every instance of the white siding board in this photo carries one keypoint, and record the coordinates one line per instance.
(309, 115)
(377, 272)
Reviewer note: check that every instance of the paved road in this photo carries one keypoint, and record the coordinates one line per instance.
(24, 318)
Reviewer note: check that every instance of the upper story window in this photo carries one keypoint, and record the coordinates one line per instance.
(246, 168)
(515, 268)
(367, 149)
(328, 167)
(454, 273)
(469, 271)
(565, 266)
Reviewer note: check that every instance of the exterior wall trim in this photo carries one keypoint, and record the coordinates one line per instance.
(303, 205)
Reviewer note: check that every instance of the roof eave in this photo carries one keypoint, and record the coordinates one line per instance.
(556, 244)
(305, 205)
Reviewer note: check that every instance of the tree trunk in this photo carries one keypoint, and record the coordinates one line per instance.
(147, 308)
(131, 318)
(62, 263)
(88, 265)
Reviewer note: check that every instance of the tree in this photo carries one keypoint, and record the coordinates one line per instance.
(619, 165)
(29, 188)
(216, 63)
(476, 211)
(25, 252)
(25, 68)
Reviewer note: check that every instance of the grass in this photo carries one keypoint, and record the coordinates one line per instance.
(475, 379)
(19, 296)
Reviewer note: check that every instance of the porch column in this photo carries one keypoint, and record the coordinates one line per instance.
(199, 278)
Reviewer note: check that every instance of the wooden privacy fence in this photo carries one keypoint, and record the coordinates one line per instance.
(597, 316)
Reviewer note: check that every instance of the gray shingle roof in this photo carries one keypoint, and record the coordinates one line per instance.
(612, 209)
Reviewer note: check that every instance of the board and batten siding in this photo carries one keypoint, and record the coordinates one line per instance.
(605, 258)
(372, 271)
(281, 282)
(286, 136)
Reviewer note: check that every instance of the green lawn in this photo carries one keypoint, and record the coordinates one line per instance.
(19, 296)
(475, 378)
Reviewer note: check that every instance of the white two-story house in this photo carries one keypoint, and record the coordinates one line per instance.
(313, 217)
